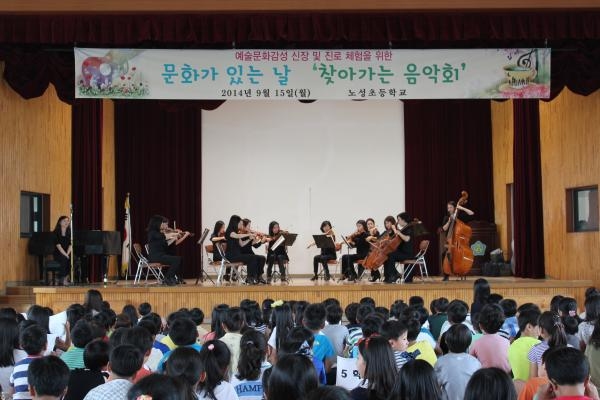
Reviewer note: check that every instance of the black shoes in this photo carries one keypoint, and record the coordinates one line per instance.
(314, 278)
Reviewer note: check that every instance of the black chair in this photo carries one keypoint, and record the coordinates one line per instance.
(53, 267)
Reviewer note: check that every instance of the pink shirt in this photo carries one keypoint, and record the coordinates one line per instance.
(492, 351)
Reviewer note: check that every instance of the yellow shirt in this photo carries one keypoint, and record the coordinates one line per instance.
(426, 350)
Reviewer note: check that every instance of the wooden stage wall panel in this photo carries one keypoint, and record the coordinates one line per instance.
(167, 299)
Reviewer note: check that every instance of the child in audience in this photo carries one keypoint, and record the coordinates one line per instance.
(185, 363)
(33, 340)
(422, 315)
(568, 373)
(481, 295)
(141, 339)
(395, 332)
(376, 367)
(553, 334)
(81, 381)
(592, 314)
(314, 320)
(418, 350)
(124, 361)
(592, 351)
(335, 332)
(252, 363)
(217, 318)
(454, 369)
(292, 378)
(492, 349)
(510, 327)
(233, 324)
(490, 384)
(355, 333)
(10, 353)
(416, 381)
(282, 321)
(197, 315)
(438, 316)
(300, 341)
(81, 335)
(183, 333)
(144, 309)
(47, 378)
(160, 387)
(215, 357)
(458, 312)
(519, 349)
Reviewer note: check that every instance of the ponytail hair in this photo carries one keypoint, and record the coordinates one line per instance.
(215, 357)
(253, 349)
(553, 326)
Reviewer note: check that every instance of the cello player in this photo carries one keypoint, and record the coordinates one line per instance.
(403, 252)
(463, 214)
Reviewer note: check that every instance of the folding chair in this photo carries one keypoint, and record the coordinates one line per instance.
(142, 263)
(209, 249)
(276, 273)
(336, 263)
(407, 266)
(237, 268)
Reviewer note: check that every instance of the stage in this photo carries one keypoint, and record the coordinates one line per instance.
(165, 299)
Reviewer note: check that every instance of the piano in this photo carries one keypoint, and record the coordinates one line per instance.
(86, 245)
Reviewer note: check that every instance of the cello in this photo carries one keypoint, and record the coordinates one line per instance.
(383, 247)
(459, 256)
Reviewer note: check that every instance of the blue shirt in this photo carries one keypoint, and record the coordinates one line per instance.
(161, 364)
(322, 348)
(511, 326)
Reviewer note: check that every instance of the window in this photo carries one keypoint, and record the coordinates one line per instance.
(582, 209)
(35, 210)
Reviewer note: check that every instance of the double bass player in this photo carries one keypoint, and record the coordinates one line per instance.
(454, 212)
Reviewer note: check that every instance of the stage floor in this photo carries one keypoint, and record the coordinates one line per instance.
(165, 299)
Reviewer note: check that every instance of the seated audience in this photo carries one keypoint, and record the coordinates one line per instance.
(215, 359)
(520, 348)
(416, 381)
(81, 335)
(491, 349)
(377, 368)
(34, 341)
(292, 378)
(47, 378)
(490, 384)
(247, 382)
(82, 380)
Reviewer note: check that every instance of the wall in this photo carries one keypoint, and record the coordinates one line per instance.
(108, 174)
(35, 155)
(502, 145)
(570, 143)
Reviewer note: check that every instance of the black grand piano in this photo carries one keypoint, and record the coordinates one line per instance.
(87, 244)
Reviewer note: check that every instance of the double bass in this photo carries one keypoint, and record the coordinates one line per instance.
(383, 247)
(459, 256)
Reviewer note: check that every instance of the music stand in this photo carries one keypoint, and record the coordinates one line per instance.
(324, 242)
(202, 275)
(286, 239)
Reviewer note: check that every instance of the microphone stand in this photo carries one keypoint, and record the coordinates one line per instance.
(72, 244)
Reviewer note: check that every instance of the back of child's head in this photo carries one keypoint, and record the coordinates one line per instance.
(441, 305)
(197, 315)
(217, 318)
(292, 378)
(296, 338)
(125, 360)
(416, 380)
(372, 324)
(528, 317)
(141, 339)
(367, 301)
(552, 325)
(40, 315)
(416, 301)
(131, 311)
(592, 307)
(422, 313)
(397, 309)
(33, 339)
(252, 313)
(298, 308)
(96, 355)
(253, 349)
(8, 312)
(571, 325)
(380, 366)
(363, 311)
(184, 363)
(350, 311)
(48, 376)
(160, 387)
(334, 314)
(392, 330)
(383, 311)
(457, 311)
(330, 302)
(183, 332)
(413, 329)
(490, 384)
(329, 393)
(215, 357)
(509, 307)
(528, 306)
(566, 366)
(495, 298)
(117, 337)
(567, 307)
(123, 321)
(150, 326)
(234, 319)
(554, 303)
(144, 309)
(314, 316)
(458, 338)
(491, 318)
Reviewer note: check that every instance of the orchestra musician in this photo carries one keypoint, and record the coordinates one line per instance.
(279, 255)
(63, 249)
(359, 240)
(388, 223)
(217, 236)
(403, 252)
(373, 236)
(160, 237)
(326, 253)
(256, 241)
(463, 214)
(234, 248)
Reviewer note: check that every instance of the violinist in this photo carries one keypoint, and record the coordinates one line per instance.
(256, 241)
(463, 214)
(403, 252)
(388, 223)
(359, 240)
(326, 253)
(217, 236)
(160, 237)
(278, 255)
(234, 248)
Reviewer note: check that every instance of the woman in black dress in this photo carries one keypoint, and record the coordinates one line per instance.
(254, 242)
(359, 240)
(217, 236)
(234, 248)
(279, 255)
(326, 253)
(159, 240)
(62, 249)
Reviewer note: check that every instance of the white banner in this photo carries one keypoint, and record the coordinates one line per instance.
(312, 74)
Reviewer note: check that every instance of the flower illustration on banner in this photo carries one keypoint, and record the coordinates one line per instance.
(113, 75)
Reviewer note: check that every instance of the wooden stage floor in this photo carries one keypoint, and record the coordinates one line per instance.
(165, 299)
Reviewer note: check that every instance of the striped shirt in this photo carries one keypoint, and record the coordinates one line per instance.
(73, 358)
(18, 379)
(536, 352)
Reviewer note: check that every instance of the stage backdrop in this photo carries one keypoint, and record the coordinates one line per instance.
(300, 164)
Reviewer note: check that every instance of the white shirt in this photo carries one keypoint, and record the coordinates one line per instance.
(224, 391)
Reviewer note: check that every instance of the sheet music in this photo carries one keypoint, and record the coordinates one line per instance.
(278, 242)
